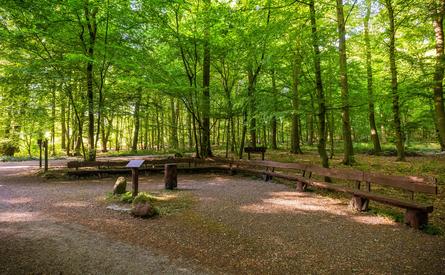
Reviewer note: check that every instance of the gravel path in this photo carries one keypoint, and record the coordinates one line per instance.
(236, 225)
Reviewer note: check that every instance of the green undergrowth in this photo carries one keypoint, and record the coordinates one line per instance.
(17, 158)
(124, 153)
(166, 202)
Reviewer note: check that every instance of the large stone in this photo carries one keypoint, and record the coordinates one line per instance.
(120, 186)
(143, 210)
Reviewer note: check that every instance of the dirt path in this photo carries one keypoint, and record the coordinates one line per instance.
(236, 225)
(35, 241)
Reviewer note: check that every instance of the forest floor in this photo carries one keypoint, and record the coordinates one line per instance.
(216, 224)
(429, 166)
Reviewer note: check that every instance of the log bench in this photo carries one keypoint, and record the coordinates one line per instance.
(358, 185)
(255, 150)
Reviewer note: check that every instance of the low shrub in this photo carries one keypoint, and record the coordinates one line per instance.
(8, 147)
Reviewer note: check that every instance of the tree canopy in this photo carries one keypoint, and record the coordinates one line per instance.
(192, 75)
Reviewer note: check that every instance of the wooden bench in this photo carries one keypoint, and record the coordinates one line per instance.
(304, 175)
(355, 183)
(255, 150)
(99, 168)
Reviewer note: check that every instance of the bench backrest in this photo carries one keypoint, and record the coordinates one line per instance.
(409, 183)
(123, 163)
(338, 173)
(254, 149)
(79, 164)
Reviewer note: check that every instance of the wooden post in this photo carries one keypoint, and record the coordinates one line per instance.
(135, 165)
(170, 176)
(45, 146)
(135, 181)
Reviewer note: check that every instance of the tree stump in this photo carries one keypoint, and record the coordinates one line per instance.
(170, 176)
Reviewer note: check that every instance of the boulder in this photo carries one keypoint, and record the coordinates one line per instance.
(143, 210)
(120, 187)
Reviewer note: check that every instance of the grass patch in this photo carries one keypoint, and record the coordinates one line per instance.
(387, 213)
(18, 159)
(126, 153)
(166, 202)
(432, 229)
(126, 197)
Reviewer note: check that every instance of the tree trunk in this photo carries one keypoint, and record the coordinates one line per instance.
(63, 122)
(374, 134)
(68, 137)
(295, 134)
(252, 107)
(243, 134)
(189, 129)
(439, 72)
(274, 133)
(146, 127)
(394, 84)
(274, 118)
(174, 128)
(206, 150)
(348, 151)
(53, 123)
(319, 88)
(134, 145)
(90, 17)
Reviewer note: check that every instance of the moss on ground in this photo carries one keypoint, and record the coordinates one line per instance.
(166, 202)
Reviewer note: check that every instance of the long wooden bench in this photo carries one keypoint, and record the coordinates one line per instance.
(99, 168)
(304, 175)
(361, 186)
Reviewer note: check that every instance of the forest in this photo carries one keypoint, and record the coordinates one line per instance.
(210, 76)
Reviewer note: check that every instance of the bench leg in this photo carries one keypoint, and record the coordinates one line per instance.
(359, 204)
(415, 218)
(301, 186)
(266, 177)
(232, 172)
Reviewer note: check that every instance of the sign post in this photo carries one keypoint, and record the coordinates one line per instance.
(135, 165)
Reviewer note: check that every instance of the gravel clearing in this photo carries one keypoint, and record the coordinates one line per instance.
(235, 225)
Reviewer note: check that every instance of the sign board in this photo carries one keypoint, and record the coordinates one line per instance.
(137, 163)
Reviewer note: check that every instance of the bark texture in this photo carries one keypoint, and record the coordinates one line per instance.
(394, 84)
(374, 134)
(319, 89)
(439, 11)
(348, 151)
